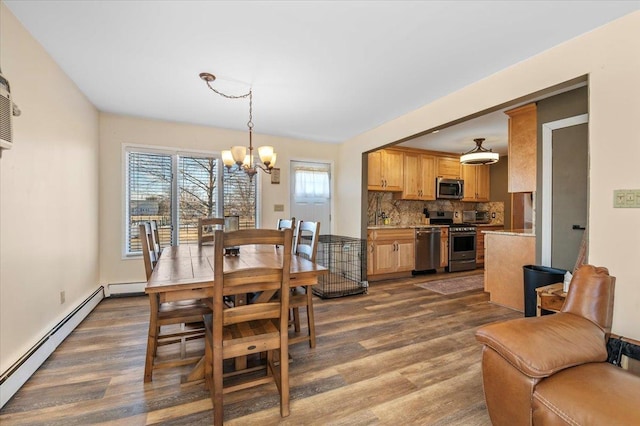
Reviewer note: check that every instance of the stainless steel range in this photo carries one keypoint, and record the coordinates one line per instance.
(462, 242)
(462, 247)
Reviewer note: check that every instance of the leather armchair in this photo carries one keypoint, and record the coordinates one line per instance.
(553, 370)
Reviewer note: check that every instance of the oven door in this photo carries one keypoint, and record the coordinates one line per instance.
(462, 245)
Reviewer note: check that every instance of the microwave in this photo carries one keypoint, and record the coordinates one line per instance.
(451, 189)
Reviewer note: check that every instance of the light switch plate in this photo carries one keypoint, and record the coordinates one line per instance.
(619, 198)
(278, 207)
(626, 198)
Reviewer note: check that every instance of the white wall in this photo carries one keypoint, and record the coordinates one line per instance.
(116, 130)
(610, 56)
(48, 195)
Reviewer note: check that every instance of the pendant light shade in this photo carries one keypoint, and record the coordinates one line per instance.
(479, 155)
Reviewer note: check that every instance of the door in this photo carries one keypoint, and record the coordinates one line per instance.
(311, 193)
(564, 190)
(569, 197)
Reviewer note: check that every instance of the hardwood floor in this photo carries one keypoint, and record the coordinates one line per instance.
(400, 354)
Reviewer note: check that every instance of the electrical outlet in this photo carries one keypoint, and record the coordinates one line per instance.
(618, 198)
(62, 297)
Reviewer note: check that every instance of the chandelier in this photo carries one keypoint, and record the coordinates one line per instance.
(479, 155)
(238, 154)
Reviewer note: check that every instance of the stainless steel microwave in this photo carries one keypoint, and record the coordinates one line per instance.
(451, 189)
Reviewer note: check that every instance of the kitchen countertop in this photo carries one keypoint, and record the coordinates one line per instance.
(515, 232)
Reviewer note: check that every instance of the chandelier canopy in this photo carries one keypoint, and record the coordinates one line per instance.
(238, 154)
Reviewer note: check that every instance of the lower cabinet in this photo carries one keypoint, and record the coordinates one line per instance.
(390, 251)
(444, 247)
(480, 242)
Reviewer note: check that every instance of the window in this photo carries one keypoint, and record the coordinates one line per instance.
(178, 188)
(311, 184)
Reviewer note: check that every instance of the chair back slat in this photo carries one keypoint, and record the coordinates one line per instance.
(148, 248)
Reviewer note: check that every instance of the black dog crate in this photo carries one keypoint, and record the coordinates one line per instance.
(346, 259)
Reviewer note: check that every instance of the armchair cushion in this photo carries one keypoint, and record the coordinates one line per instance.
(541, 346)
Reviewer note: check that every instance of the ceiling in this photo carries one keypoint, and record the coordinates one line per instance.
(324, 71)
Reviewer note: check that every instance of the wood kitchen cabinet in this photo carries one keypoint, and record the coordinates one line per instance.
(444, 247)
(449, 167)
(391, 251)
(480, 254)
(419, 177)
(477, 182)
(385, 170)
(523, 140)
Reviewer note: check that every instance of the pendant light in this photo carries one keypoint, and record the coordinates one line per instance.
(238, 154)
(479, 155)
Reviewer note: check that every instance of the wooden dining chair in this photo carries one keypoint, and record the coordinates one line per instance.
(287, 224)
(157, 248)
(206, 226)
(177, 314)
(305, 245)
(252, 328)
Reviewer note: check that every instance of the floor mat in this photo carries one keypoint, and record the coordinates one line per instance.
(455, 285)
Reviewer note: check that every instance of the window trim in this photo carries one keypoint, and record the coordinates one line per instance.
(152, 149)
(174, 153)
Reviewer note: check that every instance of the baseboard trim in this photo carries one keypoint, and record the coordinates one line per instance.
(116, 289)
(16, 375)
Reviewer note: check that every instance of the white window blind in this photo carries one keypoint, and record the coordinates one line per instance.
(177, 189)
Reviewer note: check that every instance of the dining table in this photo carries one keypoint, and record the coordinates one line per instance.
(186, 272)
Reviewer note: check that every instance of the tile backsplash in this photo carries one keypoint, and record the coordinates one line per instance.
(410, 212)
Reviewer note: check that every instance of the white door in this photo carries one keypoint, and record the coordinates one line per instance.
(311, 193)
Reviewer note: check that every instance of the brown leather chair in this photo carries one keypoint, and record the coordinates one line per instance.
(553, 370)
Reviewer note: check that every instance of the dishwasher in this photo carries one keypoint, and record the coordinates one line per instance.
(427, 249)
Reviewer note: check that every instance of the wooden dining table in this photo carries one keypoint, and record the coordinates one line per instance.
(185, 272)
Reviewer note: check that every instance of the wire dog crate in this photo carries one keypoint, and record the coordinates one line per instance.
(346, 259)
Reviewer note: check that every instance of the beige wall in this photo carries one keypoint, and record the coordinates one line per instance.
(48, 195)
(117, 130)
(610, 57)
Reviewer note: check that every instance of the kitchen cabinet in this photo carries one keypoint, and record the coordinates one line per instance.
(370, 250)
(419, 177)
(449, 167)
(385, 170)
(480, 241)
(391, 250)
(477, 182)
(523, 140)
(444, 247)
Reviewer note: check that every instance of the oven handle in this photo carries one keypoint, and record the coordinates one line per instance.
(462, 234)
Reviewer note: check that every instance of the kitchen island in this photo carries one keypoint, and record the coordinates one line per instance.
(506, 252)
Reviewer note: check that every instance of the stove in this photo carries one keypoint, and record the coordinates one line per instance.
(462, 247)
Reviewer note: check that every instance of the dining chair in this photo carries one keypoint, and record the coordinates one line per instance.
(206, 226)
(251, 328)
(185, 317)
(287, 224)
(305, 245)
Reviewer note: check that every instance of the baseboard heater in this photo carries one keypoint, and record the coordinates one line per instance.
(16, 375)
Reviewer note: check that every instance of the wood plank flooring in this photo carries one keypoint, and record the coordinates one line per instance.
(400, 354)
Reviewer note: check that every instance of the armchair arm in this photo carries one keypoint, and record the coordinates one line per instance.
(541, 346)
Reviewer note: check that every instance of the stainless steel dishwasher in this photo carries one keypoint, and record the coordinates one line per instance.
(427, 249)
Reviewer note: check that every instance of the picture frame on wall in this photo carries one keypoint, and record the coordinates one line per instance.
(275, 176)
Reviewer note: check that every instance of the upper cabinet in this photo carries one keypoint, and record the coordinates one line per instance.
(385, 170)
(477, 182)
(449, 167)
(522, 148)
(419, 177)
